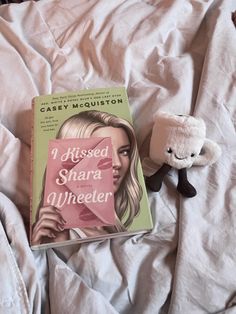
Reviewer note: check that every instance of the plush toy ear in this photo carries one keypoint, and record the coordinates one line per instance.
(209, 154)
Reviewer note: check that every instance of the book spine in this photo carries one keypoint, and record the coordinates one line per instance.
(31, 168)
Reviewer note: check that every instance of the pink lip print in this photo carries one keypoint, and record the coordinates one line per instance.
(69, 164)
(105, 163)
(86, 214)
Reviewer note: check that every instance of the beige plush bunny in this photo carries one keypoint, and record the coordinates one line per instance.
(177, 141)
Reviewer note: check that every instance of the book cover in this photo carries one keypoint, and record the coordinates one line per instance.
(79, 181)
(87, 181)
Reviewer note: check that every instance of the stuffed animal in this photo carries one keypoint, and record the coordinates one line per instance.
(179, 142)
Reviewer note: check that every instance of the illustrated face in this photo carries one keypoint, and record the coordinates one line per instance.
(120, 153)
(182, 154)
(176, 149)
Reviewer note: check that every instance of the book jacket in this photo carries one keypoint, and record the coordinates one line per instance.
(86, 177)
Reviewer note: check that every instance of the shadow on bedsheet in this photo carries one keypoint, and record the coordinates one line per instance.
(234, 17)
(10, 1)
(24, 166)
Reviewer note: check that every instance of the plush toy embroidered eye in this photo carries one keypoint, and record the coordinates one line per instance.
(177, 141)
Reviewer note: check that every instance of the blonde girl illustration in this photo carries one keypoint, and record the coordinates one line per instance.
(49, 225)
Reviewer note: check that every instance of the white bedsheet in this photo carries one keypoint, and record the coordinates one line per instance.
(178, 56)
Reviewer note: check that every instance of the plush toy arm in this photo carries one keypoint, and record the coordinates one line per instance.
(209, 154)
(149, 167)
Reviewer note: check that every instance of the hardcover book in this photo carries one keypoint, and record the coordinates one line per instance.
(87, 181)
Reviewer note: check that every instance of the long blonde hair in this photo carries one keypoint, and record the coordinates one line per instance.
(127, 198)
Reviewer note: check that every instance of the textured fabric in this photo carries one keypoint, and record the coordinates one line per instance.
(176, 56)
(20, 291)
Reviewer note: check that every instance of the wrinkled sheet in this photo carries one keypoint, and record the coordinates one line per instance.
(177, 56)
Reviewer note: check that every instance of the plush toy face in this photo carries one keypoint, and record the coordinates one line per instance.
(177, 140)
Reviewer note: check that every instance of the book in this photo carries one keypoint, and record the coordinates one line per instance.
(79, 181)
(86, 176)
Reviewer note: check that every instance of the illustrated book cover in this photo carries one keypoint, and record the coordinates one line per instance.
(86, 177)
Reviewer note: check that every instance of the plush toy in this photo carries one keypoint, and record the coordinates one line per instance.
(177, 141)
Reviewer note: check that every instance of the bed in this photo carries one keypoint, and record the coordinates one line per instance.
(176, 56)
